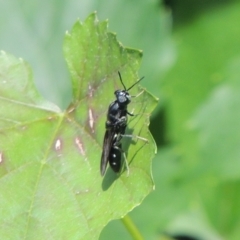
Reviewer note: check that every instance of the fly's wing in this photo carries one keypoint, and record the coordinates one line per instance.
(107, 144)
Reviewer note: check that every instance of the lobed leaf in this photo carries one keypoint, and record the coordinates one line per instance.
(50, 181)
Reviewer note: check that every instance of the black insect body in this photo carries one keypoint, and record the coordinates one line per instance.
(115, 129)
(115, 155)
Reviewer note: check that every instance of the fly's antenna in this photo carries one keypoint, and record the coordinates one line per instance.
(135, 83)
(121, 80)
(132, 85)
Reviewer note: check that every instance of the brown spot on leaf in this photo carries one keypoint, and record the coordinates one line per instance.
(58, 144)
(90, 91)
(91, 119)
(1, 157)
(80, 146)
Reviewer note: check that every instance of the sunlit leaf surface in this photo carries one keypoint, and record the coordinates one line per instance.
(50, 181)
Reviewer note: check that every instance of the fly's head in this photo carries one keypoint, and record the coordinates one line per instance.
(123, 97)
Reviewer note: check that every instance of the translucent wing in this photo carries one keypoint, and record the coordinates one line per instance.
(107, 145)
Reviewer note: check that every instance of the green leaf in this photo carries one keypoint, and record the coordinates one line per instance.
(50, 180)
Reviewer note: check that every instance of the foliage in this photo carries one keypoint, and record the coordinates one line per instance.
(50, 176)
(196, 125)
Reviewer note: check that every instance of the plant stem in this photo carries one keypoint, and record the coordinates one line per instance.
(131, 227)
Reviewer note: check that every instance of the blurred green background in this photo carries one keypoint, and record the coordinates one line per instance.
(192, 63)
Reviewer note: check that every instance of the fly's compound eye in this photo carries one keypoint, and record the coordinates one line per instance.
(122, 97)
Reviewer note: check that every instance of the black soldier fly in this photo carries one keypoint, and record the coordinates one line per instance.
(115, 129)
